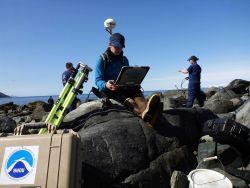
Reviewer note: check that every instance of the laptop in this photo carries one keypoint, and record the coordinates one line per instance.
(131, 76)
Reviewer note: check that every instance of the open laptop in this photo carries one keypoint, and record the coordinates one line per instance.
(131, 76)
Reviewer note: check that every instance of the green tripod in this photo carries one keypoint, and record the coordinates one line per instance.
(72, 88)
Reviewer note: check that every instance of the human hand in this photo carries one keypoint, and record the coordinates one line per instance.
(111, 85)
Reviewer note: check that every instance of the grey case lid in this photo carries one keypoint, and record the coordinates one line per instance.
(131, 76)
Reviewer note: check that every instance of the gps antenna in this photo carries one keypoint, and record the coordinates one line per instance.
(109, 24)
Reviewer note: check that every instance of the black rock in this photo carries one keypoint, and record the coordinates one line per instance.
(7, 125)
(220, 106)
(223, 94)
(239, 86)
(179, 180)
(211, 91)
(39, 111)
(160, 170)
(230, 161)
(173, 93)
(173, 102)
(8, 106)
(242, 116)
(227, 115)
(122, 150)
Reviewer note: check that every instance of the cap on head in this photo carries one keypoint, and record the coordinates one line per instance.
(117, 40)
(194, 58)
(69, 65)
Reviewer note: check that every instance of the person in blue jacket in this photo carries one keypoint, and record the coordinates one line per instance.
(66, 74)
(194, 88)
(65, 77)
(107, 69)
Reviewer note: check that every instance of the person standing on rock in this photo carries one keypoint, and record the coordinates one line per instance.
(51, 101)
(66, 74)
(107, 69)
(194, 88)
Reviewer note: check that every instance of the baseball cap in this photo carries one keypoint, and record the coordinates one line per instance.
(193, 58)
(117, 40)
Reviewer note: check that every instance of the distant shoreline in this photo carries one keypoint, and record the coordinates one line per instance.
(28, 99)
(2, 95)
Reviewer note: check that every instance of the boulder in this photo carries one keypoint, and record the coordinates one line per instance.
(239, 86)
(19, 109)
(211, 91)
(173, 93)
(231, 160)
(169, 103)
(237, 102)
(38, 112)
(7, 125)
(173, 102)
(120, 149)
(245, 98)
(19, 120)
(242, 116)
(185, 124)
(28, 119)
(219, 106)
(165, 164)
(227, 115)
(125, 146)
(236, 181)
(8, 106)
(34, 104)
(2, 113)
(223, 94)
(179, 180)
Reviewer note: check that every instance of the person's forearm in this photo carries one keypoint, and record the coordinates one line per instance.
(183, 71)
(101, 85)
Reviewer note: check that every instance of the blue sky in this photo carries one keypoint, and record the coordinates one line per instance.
(37, 38)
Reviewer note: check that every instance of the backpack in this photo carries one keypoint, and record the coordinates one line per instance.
(106, 60)
(227, 131)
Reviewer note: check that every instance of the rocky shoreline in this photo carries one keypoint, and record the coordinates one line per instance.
(142, 156)
(231, 101)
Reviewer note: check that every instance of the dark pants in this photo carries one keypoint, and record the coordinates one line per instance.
(194, 92)
(124, 93)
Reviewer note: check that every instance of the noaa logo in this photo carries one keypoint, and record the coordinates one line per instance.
(19, 164)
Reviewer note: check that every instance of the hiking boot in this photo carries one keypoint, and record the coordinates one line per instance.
(129, 103)
(140, 105)
(137, 105)
(152, 112)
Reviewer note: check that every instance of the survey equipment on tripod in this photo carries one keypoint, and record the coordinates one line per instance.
(109, 24)
(72, 88)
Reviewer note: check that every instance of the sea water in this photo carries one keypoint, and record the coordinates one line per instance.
(27, 100)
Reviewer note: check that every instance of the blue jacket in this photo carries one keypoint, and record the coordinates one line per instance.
(111, 72)
(65, 76)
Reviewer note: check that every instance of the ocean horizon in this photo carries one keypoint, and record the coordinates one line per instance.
(29, 99)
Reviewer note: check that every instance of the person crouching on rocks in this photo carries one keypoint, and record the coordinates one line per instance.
(194, 88)
(107, 70)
